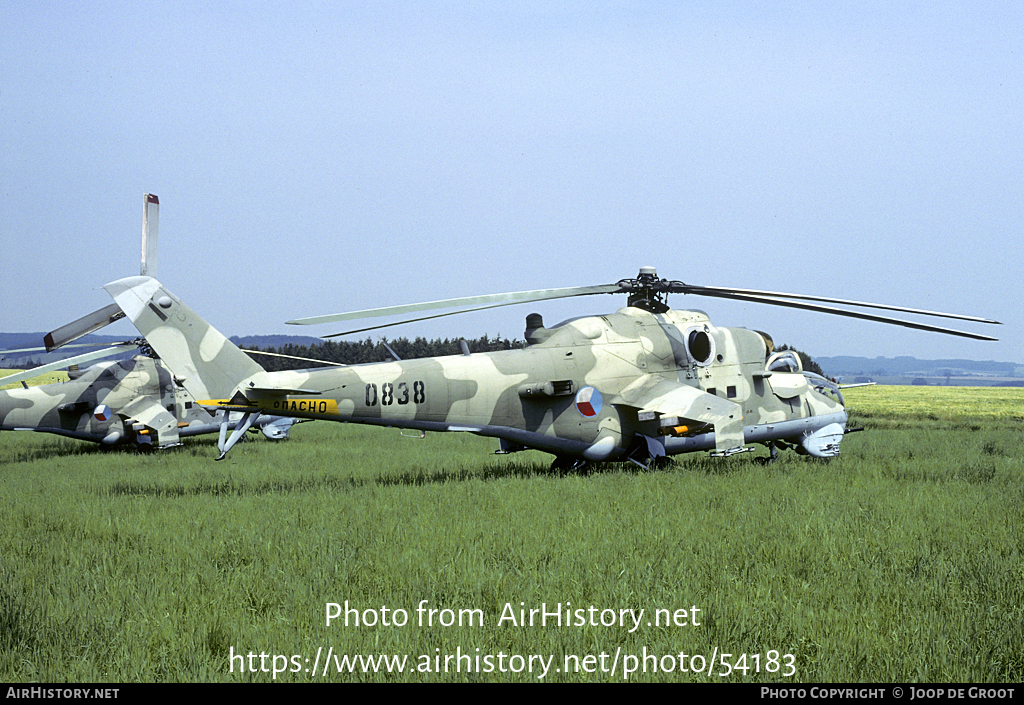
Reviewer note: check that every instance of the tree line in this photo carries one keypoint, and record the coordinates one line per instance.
(808, 363)
(363, 351)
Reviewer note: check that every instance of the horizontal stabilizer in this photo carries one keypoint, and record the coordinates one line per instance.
(278, 391)
(253, 396)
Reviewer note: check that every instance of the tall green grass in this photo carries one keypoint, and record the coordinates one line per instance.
(900, 561)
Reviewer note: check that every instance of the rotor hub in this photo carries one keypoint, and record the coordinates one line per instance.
(647, 292)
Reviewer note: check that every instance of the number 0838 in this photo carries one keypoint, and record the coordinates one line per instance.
(395, 393)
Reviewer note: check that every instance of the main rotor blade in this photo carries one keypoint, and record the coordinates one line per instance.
(657, 288)
(510, 297)
(67, 362)
(718, 291)
(425, 318)
(294, 357)
(41, 349)
(733, 294)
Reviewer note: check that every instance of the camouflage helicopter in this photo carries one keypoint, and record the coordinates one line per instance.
(641, 384)
(131, 401)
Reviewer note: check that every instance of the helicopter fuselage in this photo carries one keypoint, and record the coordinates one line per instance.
(628, 384)
(86, 406)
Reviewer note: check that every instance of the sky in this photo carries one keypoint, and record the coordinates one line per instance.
(313, 158)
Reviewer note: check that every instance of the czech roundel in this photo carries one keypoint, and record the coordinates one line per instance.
(588, 401)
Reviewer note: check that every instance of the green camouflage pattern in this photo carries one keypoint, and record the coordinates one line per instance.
(627, 385)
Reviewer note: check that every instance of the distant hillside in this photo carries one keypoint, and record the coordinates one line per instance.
(17, 341)
(911, 370)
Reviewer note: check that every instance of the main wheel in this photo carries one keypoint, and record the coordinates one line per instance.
(565, 464)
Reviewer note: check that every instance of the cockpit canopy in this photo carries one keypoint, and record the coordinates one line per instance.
(785, 361)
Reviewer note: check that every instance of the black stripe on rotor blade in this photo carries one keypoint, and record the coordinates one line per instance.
(725, 294)
(717, 291)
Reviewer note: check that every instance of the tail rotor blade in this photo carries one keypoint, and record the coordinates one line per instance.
(83, 326)
(150, 231)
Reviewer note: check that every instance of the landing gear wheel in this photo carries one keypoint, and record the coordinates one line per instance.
(773, 454)
(662, 463)
(565, 465)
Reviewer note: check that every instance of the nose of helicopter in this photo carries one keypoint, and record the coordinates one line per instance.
(824, 443)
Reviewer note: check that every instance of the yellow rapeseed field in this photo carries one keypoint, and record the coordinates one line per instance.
(45, 378)
(937, 403)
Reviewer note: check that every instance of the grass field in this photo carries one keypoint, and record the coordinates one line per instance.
(899, 562)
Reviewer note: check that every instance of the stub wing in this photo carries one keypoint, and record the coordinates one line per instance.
(678, 409)
(150, 420)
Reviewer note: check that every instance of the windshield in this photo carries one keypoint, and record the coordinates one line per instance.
(825, 387)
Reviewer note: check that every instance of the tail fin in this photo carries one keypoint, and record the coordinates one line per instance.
(206, 363)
